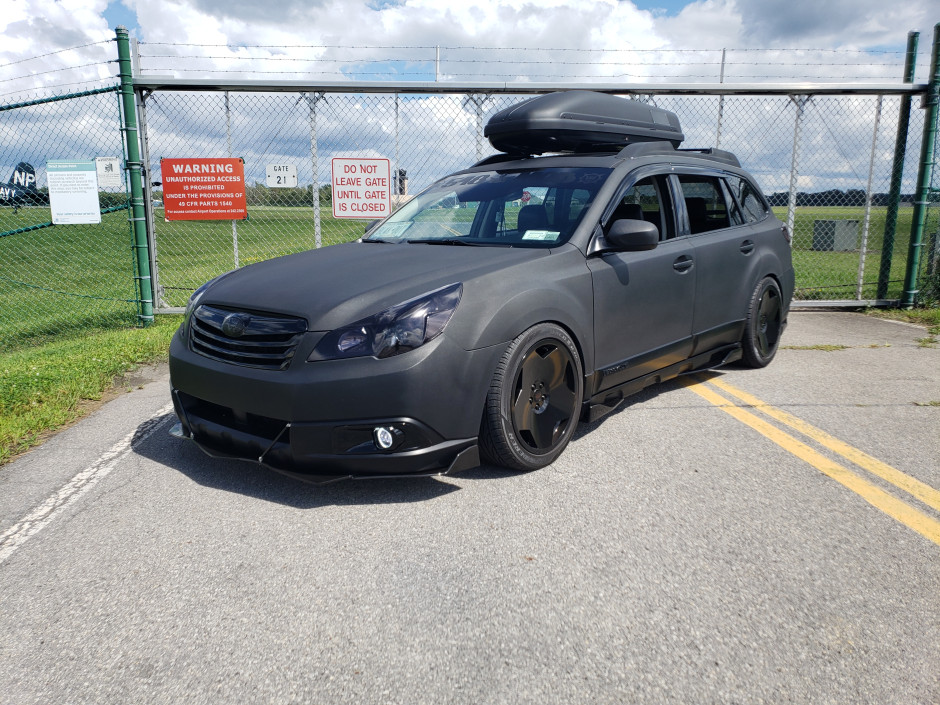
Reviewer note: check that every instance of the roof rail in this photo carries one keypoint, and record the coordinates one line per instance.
(718, 155)
(497, 158)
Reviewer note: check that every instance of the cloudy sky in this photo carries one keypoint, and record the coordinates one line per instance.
(52, 47)
(512, 39)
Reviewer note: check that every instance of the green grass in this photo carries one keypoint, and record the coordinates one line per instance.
(833, 275)
(824, 348)
(63, 279)
(193, 252)
(45, 387)
(928, 317)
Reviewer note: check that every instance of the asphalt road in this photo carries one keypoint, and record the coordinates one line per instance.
(782, 546)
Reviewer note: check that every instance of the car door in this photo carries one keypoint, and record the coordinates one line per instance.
(643, 301)
(725, 254)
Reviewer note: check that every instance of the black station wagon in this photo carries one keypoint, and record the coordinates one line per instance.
(496, 309)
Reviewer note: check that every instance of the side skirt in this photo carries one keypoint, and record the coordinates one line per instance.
(603, 403)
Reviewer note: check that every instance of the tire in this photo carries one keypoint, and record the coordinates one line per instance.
(534, 401)
(764, 324)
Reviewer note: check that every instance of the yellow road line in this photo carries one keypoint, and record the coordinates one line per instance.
(922, 491)
(912, 518)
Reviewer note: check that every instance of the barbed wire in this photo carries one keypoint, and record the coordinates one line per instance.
(57, 51)
(425, 74)
(498, 61)
(484, 48)
(522, 63)
(58, 70)
(853, 64)
(41, 93)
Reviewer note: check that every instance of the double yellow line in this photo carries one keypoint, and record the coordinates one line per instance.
(908, 515)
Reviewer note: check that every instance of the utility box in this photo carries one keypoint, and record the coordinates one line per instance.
(835, 235)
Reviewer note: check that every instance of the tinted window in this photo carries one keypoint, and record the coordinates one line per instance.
(704, 203)
(754, 207)
(530, 207)
(644, 200)
(733, 210)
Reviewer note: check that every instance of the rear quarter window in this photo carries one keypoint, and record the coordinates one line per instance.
(752, 204)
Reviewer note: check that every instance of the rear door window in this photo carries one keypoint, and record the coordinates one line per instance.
(705, 203)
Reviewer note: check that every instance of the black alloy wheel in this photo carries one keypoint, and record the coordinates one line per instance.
(534, 401)
(764, 324)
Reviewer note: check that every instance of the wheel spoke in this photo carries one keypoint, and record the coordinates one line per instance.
(762, 342)
(542, 366)
(769, 305)
(562, 399)
(529, 373)
(542, 432)
(522, 412)
(555, 421)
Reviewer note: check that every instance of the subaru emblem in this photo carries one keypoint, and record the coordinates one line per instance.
(235, 324)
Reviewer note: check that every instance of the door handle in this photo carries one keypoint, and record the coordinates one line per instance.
(683, 264)
(747, 247)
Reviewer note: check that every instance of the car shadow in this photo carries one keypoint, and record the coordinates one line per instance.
(645, 395)
(154, 442)
(253, 480)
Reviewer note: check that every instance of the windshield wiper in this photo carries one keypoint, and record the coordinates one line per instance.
(378, 239)
(450, 241)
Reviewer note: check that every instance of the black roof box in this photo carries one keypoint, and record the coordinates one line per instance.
(579, 121)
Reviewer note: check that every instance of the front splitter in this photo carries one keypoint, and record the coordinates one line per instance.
(466, 459)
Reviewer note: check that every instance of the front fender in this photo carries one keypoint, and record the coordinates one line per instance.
(496, 309)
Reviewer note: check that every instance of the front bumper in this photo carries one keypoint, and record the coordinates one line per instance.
(316, 420)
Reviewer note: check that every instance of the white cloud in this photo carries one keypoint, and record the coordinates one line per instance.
(574, 40)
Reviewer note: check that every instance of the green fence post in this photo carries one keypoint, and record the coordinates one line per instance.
(133, 166)
(897, 172)
(924, 175)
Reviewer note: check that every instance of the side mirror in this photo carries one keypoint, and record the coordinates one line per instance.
(370, 225)
(632, 235)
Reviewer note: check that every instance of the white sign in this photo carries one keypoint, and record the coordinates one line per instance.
(73, 192)
(109, 172)
(362, 188)
(281, 175)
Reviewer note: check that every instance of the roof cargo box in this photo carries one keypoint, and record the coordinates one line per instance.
(579, 121)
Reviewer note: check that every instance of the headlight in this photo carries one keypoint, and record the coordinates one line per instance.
(398, 329)
(194, 302)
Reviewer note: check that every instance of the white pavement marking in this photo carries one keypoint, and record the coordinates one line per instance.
(45, 513)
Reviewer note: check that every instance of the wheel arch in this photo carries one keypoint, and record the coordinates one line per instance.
(573, 312)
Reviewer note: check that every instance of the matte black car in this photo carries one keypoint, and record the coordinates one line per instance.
(496, 309)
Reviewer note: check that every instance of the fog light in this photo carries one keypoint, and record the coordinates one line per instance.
(383, 437)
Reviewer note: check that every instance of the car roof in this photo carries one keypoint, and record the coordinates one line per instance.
(652, 152)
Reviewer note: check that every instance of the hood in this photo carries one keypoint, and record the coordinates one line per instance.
(340, 284)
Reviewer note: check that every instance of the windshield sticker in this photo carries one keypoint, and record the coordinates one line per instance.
(393, 229)
(541, 235)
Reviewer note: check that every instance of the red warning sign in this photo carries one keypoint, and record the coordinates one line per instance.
(204, 189)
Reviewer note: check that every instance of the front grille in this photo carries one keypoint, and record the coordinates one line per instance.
(253, 340)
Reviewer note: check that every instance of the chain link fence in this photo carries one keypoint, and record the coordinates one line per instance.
(825, 163)
(56, 279)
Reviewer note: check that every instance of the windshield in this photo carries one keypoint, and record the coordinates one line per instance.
(521, 208)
